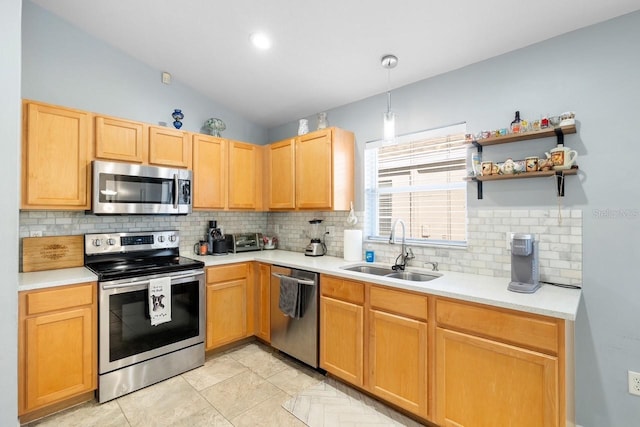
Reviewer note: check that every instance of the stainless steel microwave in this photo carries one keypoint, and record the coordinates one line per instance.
(127, 188)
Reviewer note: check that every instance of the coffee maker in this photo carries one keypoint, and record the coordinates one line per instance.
(217, 242)
(525, 275)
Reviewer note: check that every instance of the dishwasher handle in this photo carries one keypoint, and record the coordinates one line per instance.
(300, 281)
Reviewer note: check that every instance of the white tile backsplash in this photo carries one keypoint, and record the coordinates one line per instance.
(559, 234)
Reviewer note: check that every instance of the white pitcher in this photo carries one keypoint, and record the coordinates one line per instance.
(562, 157)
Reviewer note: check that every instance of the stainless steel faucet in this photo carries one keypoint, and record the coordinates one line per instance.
(406, 254)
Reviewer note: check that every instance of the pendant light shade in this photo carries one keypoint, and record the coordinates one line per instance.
(389, 117)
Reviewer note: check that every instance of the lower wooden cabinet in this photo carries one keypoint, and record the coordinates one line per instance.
(398, 348)
(263, 302)
(57, 345)
(229, 316)
(342, 329)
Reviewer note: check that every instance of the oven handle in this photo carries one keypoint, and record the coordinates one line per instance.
(301, 281)
(143, 282)
(175, 190)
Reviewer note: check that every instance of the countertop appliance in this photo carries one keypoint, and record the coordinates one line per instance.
(316, 247)
(297, 337)
(244, 242)
(525, 274)
(126, 188)
(132, 352)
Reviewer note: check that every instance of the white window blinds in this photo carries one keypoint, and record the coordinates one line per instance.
(419, 179)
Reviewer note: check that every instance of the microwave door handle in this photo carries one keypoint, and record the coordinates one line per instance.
(175, 190)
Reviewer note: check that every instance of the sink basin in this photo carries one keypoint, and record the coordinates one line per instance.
(369, 269)
(411, 276)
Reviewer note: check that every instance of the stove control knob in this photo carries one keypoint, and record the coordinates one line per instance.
(97, 242)
(172, 238)
(160, 239)
(111, 242)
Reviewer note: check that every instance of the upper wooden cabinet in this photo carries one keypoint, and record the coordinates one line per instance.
(245, 166)
(119, 139)
(320, 177)
(169, 147)
(55, 157)
(209, 172)
(281, 158)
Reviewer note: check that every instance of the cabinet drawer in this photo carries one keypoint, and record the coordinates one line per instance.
(345, 290)
(399, 302)
(59, 298)
(526, 330)
(225, 273)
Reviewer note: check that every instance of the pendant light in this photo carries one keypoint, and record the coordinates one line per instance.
(389, 117)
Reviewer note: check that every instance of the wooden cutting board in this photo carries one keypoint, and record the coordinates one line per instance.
(51, 253)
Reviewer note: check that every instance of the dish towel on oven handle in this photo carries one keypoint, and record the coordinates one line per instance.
(160, 300)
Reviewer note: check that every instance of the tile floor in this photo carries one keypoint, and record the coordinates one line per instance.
(245, 386)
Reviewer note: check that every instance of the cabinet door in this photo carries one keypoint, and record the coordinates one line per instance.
(314, 170)
(263, 294)
(169, 147)
(118, 139)
(243, 166)
(341, 339)
(55, 158)
(226, 312)
(209, 172)
(282, 174)
(398, 360)
(60, 360)
(482, 382)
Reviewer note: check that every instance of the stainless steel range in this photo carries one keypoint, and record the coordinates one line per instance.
(139, 273)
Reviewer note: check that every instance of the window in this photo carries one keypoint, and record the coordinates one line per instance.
(419, 179)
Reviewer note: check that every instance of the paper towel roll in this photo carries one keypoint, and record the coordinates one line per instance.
(353, 245)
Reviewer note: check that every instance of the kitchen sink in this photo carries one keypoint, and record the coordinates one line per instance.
(369, 269)
(411, 276)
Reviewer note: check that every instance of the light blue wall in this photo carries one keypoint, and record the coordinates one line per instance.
(10, 119)
(594, 72)
(65, 66)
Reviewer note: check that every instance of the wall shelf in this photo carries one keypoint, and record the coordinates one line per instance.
(558, 132)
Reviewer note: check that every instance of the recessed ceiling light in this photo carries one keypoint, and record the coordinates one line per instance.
(260, 40)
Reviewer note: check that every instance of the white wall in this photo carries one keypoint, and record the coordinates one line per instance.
(10, 23)
(594, 72)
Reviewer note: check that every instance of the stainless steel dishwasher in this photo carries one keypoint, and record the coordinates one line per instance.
(296, 337)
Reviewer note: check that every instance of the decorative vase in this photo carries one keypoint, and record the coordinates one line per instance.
(322, 121)
(215, 126)
(303, 127)
(177, 116)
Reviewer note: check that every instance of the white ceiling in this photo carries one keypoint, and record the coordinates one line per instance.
(325, 53)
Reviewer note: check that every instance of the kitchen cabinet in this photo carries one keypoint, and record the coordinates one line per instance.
(281, 160)
(55, 157)
(498, 367)
(312, 171)
(119, 139)
(245, 171)
(263, 302)
(57, 347)
(342, 329)
(398, 348)
(169, 147)
(558, 132)
(209, 172)
(229, 317)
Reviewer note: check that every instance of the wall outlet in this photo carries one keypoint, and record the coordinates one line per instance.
(276, 228)
(634, 383)
(331, 229)
(508, 238)
(35, 233)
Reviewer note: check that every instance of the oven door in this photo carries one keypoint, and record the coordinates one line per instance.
(123, 188)
(126, 336)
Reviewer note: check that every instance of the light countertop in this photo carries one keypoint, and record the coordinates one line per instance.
(549, 300)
